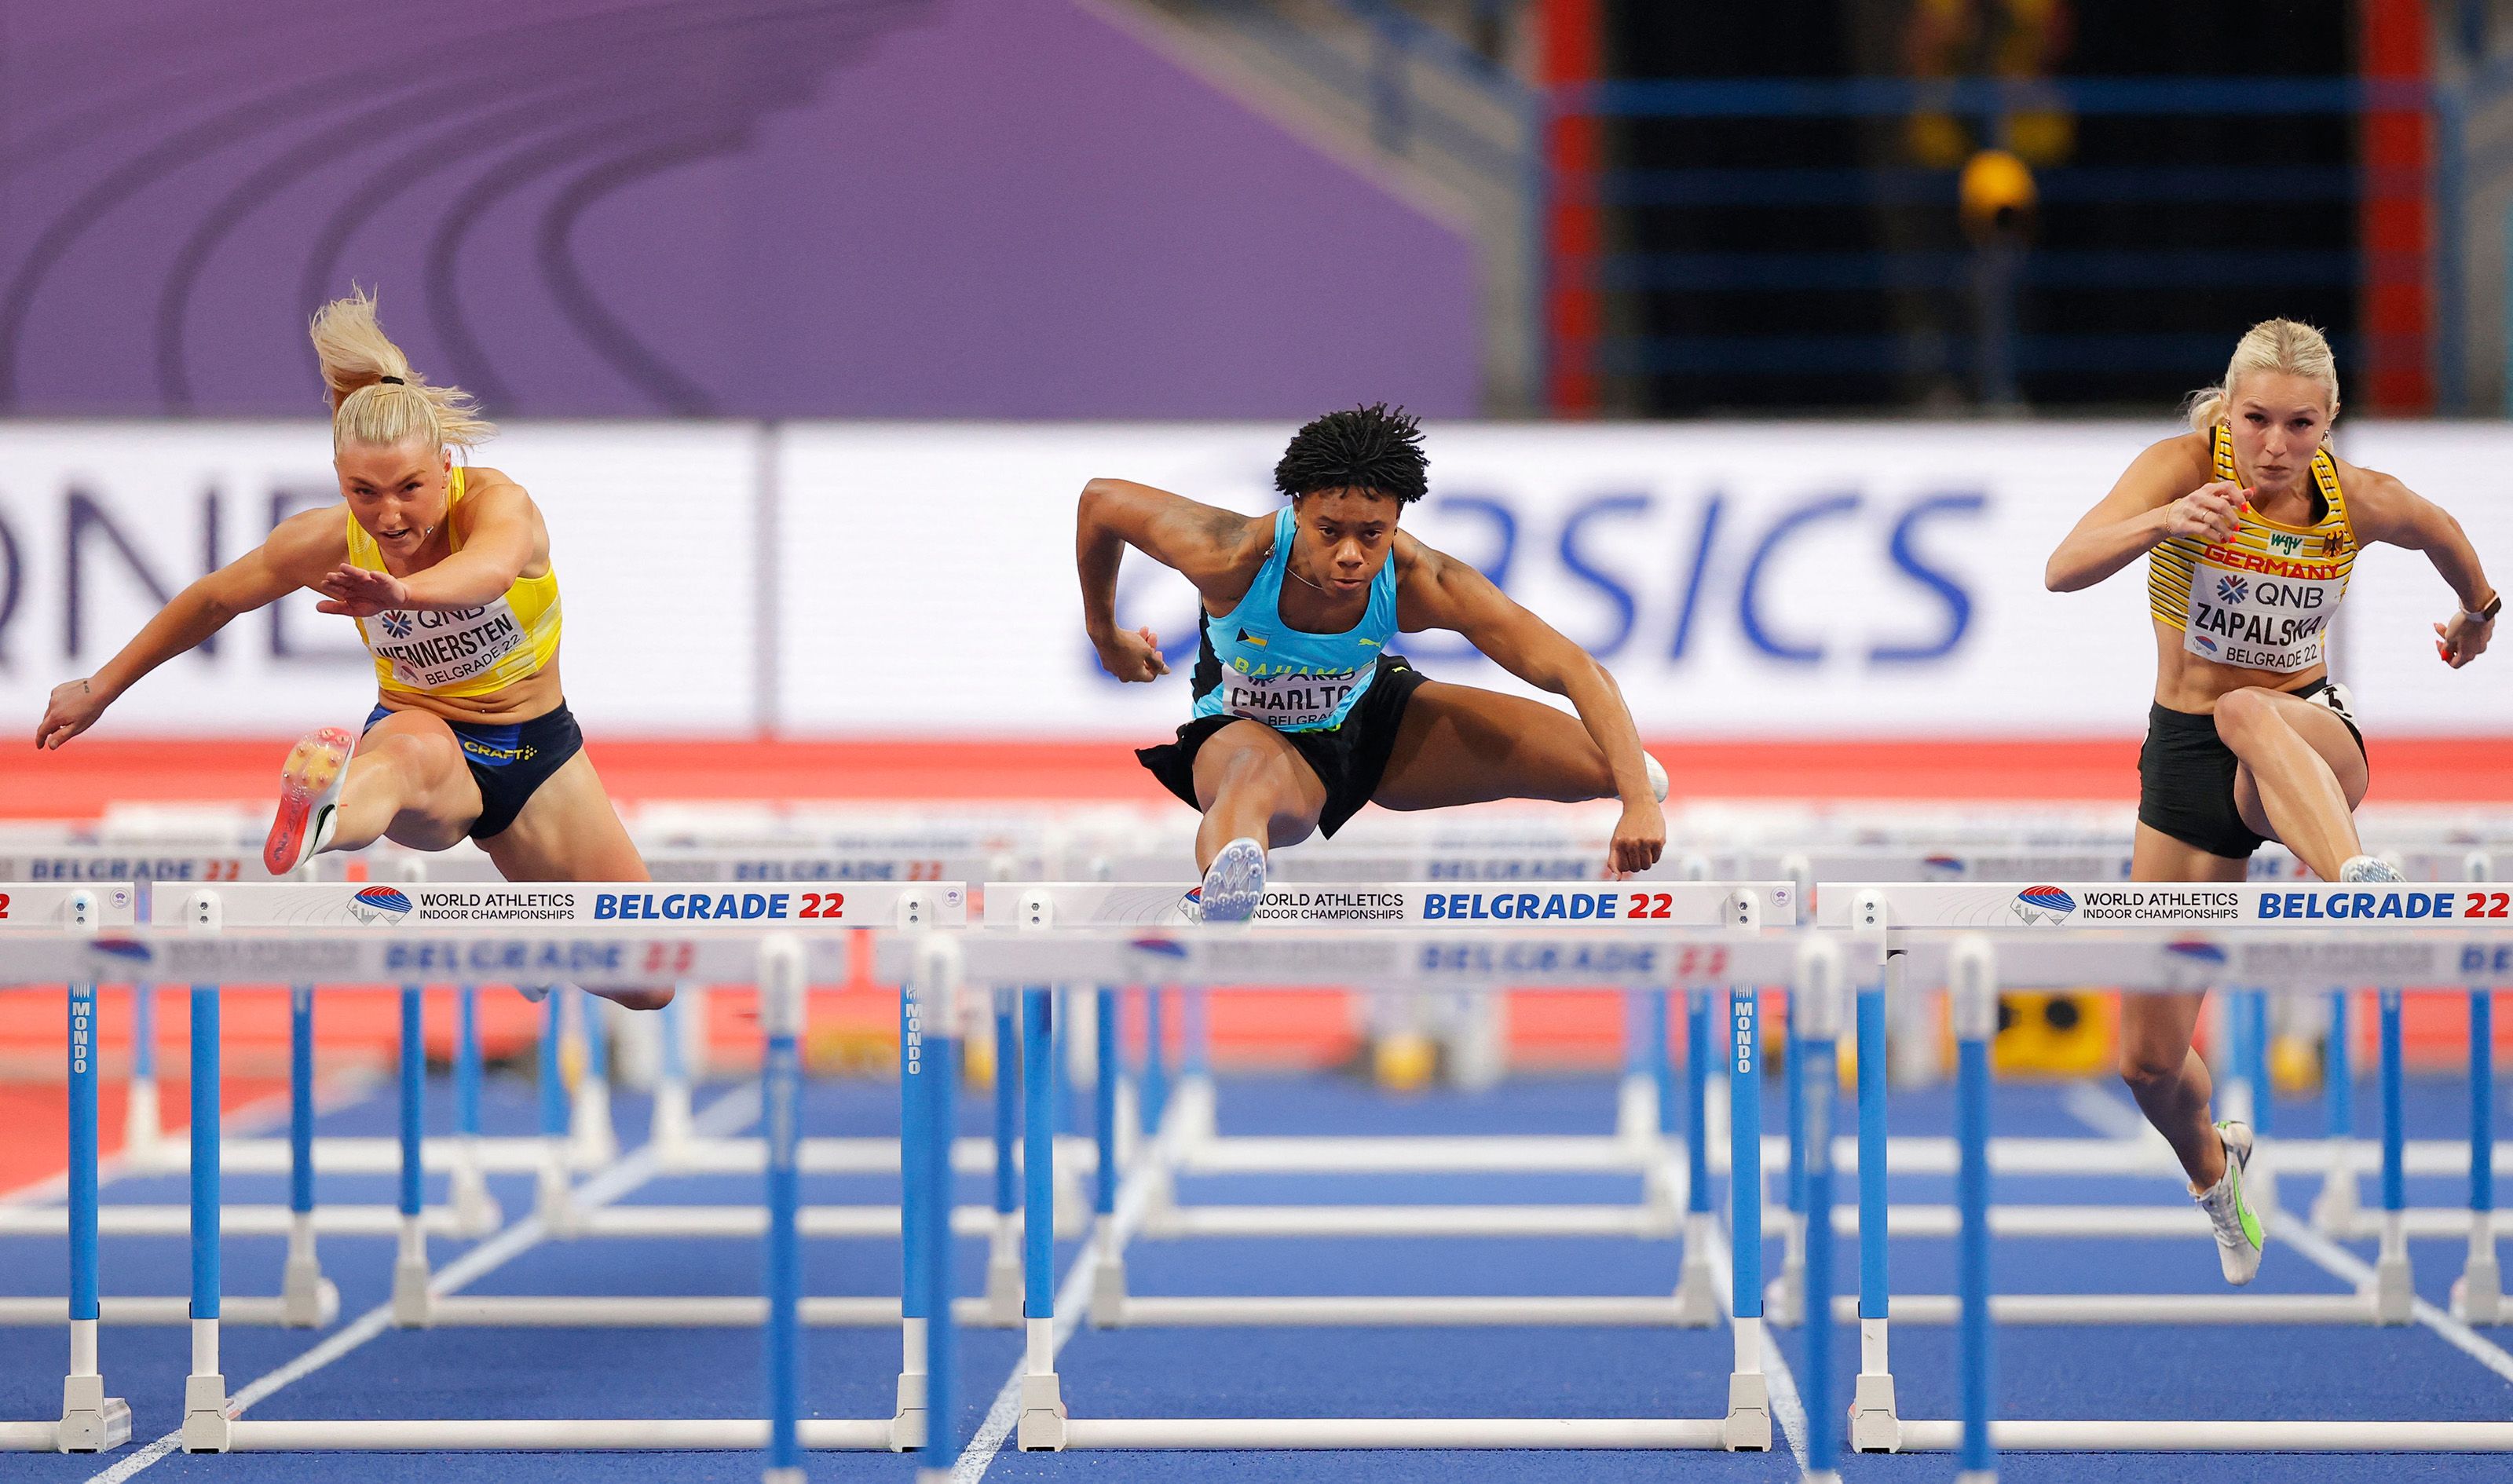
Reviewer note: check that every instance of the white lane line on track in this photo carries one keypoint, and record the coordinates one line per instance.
(2295, 1230)
(734, 1110)
(1004, 1414)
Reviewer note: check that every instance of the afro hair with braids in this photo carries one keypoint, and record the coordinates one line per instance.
(1375, 448)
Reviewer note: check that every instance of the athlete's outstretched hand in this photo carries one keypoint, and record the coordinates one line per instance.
(2209, 512)
(1134, 655)
(359, 592)
(2460, 641)
(1640, 838)
(74, 707)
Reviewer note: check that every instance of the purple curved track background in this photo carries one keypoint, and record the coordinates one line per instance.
(880, 208)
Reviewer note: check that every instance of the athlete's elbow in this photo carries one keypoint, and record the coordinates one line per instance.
(2058, 577)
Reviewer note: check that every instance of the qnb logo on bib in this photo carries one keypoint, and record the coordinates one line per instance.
(1291, 701)
(431, 648)
(2269, 614)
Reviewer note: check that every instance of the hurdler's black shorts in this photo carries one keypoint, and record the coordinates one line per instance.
(509, 760)
(2185, 775)
(1349, 759)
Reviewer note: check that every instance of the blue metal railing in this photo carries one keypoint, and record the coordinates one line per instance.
(1956, 349)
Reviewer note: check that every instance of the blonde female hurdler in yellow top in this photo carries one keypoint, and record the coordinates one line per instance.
(2251, 528)
(447, 570)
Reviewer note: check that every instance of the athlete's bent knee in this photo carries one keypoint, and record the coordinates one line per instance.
(2148, 1073)
(2242, 715)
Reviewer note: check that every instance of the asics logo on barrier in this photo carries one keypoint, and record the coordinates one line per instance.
(379, 903)
(2044, 903)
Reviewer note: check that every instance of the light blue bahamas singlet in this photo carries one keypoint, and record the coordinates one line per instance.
(1254, 664)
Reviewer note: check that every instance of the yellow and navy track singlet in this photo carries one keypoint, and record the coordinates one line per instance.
(2263, 597)
(462, 651)
(1254, 664)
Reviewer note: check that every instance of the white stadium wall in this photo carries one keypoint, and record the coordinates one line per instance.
(903, 579)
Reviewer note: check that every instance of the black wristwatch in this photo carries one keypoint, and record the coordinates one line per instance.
(2486, 615)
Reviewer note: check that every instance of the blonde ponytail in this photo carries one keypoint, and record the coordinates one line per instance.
(2283, 346)
(376, 398)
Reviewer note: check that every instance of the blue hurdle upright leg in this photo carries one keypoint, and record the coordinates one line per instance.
(780, 1091)
(475, 1209)
(1782, 1297)
(91, 1421)
(943, 1441)
(1976, 1018)
(1003, 1252)
(596, 1142)
(1109, 1254)
(1042, 1399)
(1818, 1006)
(2478, 1293)
(1696, 1288)
(205, 1388)
(2334, 1209)
(143, 1126)
(915, 1213)
(1875, 1422)
(2394, 1294)
(1749, 1401)
(308, 1299)
(554, 1202)
(410, 1264)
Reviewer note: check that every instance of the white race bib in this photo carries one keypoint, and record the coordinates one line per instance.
(428, 649)
(2261, 613)
(1288, 702)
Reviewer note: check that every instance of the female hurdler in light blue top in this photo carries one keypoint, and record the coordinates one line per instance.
(1301, 713)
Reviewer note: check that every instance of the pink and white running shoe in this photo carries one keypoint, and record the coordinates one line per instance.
(309, 792)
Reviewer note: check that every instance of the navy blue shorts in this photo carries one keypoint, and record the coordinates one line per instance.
(509, 760)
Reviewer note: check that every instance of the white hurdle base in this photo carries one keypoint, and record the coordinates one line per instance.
(1401, 1153)
(29, 1437)
(595, 1435)
(2178, 1436)
(2129, 1308)
(1290, 1432)
(1640, 1310)
(730, 1311)
(1455, 1221)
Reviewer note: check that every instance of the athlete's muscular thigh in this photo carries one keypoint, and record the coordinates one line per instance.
(2318, 726)
(1248, 768)
(1459, 744)
(567, 831)
(414, 756)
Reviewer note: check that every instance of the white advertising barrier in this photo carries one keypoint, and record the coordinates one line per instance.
(1751, 581)
(1643, 906)
(2394, 599)
(653, 529)
(887, 579)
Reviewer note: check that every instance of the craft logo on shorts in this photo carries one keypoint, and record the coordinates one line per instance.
(2044, 903)
(379, 903)
(2232, 589)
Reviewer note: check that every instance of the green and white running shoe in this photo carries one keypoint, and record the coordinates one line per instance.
(2239, 1234)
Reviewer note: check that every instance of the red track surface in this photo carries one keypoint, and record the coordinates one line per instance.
(90, 773)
